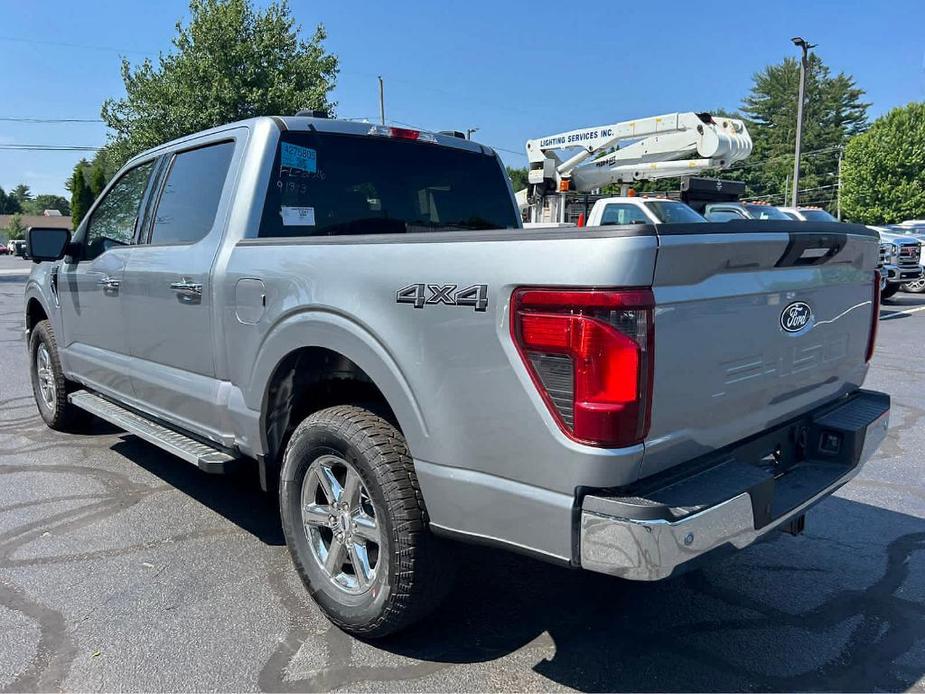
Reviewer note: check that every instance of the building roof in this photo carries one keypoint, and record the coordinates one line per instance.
(36, 220)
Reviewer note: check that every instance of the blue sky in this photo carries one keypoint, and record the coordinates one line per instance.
(512, 69)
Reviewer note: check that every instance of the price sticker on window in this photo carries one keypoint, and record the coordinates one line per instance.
(298, 216)
(296, 157)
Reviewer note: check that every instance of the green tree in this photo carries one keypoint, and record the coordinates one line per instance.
(45, 201)
(83, 165)
(230, 62)
(833, 112)
(8, 203)
(16, 230)
(518, 177)
(883, 174)
(21, 193)
(81, 195)
(98, 179)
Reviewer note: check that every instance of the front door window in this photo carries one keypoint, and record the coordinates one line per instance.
(113, 221)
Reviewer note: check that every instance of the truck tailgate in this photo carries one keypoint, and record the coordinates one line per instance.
(755, 323)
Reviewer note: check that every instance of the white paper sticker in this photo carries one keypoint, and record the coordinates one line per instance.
(298, 216)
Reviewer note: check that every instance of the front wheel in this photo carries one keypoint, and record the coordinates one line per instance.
(49, 386)
(916, 287)
(889, 291)
(356, 525)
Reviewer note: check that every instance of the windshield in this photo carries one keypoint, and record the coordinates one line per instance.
(914, 230)
(326, 184)
(672, 212)
(765, 212)
(817, 216)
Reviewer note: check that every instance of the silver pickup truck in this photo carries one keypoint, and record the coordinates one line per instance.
(900, 261)
(356, 311)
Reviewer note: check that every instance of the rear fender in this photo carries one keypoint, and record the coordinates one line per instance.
(336, 332)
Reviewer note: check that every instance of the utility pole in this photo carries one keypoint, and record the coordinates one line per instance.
(841, 151)
(469, 132)
(381, 101)
(804, 63)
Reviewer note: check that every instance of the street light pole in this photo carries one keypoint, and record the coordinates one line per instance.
(469, 132)
(804, 63)
(840, 154)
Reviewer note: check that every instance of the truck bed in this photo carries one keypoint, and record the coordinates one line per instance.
(489, 453)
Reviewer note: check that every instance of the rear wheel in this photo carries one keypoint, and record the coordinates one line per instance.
(889, 291)
(916, 287)
(48, 383)
(356, 525)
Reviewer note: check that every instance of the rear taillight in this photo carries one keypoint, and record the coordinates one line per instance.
(874, 319)
(590, 355)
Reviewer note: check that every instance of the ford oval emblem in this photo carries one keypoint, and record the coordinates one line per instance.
(796, 316)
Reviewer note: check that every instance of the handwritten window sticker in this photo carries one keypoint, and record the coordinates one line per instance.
(297, 216)
(296, 157)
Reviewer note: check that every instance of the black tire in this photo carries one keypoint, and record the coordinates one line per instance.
(56, 411)
(410, 573)
(889, 290)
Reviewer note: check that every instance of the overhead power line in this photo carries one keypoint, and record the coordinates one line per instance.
(509, 151)
(802, 190)
(48, 148)
(13, 119)
(782, 156)
(67, 44)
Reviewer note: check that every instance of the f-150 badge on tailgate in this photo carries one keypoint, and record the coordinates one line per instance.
(421, 295)
(796, 316)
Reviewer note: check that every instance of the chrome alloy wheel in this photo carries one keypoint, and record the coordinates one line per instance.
(915, 285)
(340, 523)
(46, 376)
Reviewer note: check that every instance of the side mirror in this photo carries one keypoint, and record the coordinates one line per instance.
(46, 243)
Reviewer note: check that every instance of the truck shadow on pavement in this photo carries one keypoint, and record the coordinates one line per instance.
(840, 608)
(236, 497)
(903, 301)
(834, 610)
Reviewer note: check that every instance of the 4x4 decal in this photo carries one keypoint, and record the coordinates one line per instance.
(420, 295)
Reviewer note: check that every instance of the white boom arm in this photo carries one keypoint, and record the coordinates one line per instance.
(661, 149)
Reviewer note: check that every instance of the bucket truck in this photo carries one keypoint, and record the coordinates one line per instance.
(659, 147)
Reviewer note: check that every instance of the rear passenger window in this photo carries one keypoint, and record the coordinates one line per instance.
(723, 216)
(623, 214)
(186, 211)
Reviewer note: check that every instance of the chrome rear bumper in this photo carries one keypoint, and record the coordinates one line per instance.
(646, 539)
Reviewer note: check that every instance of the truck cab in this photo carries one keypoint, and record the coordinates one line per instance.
(640, 210)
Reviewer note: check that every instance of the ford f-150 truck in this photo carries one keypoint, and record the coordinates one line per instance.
(357, 311)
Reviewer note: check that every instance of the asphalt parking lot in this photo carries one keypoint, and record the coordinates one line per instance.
(122, 568)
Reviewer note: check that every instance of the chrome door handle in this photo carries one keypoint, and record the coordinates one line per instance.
(108, 282)
(187, 287)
